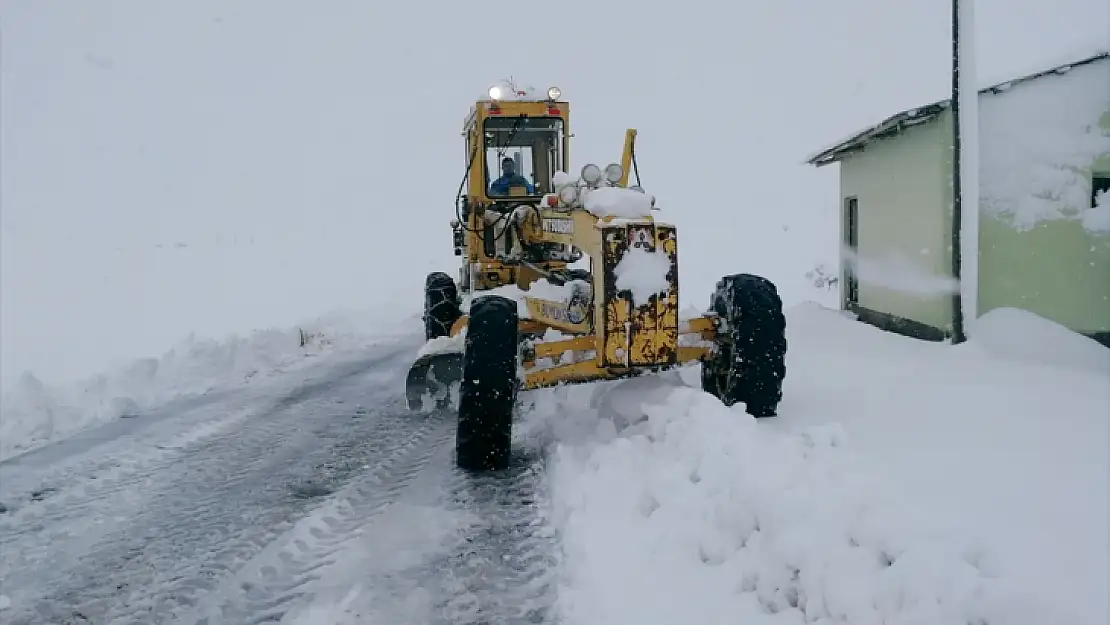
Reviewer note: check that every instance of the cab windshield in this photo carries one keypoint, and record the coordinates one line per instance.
(522, 155)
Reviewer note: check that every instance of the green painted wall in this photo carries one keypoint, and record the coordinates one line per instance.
(901, 187)
(1057, 269)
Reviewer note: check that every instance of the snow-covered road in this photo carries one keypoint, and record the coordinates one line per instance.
(241, 507)
(903, 482)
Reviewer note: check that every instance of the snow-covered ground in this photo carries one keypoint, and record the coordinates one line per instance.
(35, 412)
(903, 482)
(154, 186)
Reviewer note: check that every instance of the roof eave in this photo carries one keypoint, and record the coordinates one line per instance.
(892, 126)
(896, 123)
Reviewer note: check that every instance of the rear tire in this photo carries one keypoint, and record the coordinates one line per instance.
(488, 392)
(441, 305)
(749, 362)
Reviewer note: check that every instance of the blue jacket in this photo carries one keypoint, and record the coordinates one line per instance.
(502, 184)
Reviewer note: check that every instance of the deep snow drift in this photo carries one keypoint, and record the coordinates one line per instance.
(35, 412)
(903, 482)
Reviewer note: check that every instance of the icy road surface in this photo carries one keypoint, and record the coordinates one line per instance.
(323, 500)
(903, 482)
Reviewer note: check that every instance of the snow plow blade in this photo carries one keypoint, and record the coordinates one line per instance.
(430, 380)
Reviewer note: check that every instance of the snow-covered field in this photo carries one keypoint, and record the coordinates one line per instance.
(37, 412)
(903, 482)
(232, 172)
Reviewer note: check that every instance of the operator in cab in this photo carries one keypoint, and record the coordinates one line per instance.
(509, 178)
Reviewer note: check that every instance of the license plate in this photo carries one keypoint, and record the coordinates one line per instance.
(558, 226)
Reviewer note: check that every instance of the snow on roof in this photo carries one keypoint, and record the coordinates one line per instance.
(923, 114)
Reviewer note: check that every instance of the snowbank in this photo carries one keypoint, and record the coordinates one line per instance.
(904, 482)
(698, 515)
(1020, 335)
(35, 413)
(1013, 452)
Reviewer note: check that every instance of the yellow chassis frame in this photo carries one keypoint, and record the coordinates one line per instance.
(591, 369)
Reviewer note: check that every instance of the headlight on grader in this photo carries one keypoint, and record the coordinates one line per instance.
(591, 174)
(614, 172)
(568, 194)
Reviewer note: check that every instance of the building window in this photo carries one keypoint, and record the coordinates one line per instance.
(1100, 183)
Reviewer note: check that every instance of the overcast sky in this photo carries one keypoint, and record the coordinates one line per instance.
(128, 125)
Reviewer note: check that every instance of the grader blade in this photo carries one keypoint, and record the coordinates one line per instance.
(430, 379)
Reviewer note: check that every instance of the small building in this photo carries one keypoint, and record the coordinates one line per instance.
(1040, 240)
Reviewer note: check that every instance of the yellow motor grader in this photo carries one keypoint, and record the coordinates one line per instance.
(571, 280)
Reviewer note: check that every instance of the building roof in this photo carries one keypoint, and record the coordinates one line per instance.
(923, 114)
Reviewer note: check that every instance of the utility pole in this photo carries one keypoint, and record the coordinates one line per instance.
(965, 170)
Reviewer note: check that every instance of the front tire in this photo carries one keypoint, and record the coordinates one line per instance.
(441, 305)
(748, 363)
(488, 392)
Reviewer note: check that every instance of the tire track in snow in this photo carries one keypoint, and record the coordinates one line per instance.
(218, 542)
(58, 497)
(502, 569)
(80, 498)
(496, 562)
(90, 453)
(210, 506)
(49, 537)
(266, 588)
(499, 568)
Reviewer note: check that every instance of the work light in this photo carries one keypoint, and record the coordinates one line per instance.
(568, 194)
(614, 172)
(591, 174)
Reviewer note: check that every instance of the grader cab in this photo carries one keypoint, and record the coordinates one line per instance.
(569, 280)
